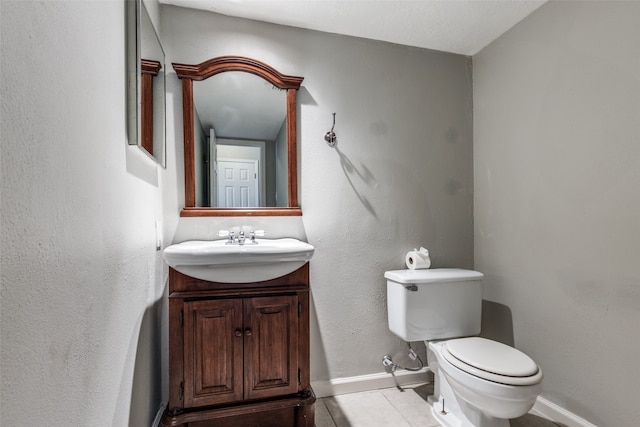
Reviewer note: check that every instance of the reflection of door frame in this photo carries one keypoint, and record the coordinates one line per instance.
(256, 165)
(262, 178)
(213, 168)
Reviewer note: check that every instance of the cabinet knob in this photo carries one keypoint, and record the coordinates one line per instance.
(248, 332)
(238, 332)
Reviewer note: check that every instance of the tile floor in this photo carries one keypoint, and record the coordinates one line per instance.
(391, 407)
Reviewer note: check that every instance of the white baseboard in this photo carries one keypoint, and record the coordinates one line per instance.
(156, 421)
(558, 414)
(324, 388)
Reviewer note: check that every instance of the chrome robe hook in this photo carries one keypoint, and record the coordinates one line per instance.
(330, 136)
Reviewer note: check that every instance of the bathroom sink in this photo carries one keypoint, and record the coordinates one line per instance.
(218, 261)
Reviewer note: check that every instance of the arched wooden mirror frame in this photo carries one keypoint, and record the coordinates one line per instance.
(190, 73)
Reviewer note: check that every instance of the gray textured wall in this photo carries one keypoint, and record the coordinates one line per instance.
(400, 176)
(557, 198)
(81, 280)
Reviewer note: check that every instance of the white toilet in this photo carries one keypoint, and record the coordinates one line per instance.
(478, 382)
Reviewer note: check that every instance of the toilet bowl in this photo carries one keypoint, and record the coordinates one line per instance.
(481, 383)
(477, 382)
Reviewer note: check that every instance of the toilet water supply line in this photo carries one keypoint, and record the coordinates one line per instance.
(392, 366)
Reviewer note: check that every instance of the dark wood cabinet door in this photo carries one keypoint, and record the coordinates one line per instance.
(271, 346)
(239, 353)
(213, 353)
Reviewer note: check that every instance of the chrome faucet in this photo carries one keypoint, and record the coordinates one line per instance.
(241, 238)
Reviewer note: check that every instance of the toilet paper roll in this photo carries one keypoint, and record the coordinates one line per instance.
(418, 259)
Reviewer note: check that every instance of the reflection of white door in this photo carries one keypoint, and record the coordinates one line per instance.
(237, 183)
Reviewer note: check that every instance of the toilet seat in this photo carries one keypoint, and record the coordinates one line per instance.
(492, 361)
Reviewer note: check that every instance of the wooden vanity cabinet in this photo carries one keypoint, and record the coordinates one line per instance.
(239, 353)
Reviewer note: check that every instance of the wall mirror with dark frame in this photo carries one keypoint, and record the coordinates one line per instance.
(146, 76)
(240, 148)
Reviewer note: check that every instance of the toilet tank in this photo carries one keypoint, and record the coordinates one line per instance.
(434, 304)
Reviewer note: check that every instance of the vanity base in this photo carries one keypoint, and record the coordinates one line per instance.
(293, 411)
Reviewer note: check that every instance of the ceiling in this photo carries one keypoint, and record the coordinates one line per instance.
(457, 26)
(240, 106)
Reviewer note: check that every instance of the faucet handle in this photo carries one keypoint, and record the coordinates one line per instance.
(230, 234)
(254, 233)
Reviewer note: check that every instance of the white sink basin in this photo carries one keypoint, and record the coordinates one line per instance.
(217, 261)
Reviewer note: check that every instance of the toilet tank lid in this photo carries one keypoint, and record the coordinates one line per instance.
(433, 275)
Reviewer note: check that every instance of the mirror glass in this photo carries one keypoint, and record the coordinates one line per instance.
(240, 142)
(146, 71)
